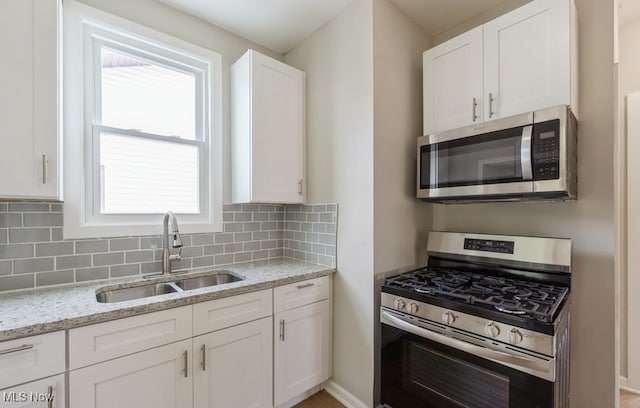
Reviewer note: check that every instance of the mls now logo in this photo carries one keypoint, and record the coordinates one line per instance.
(26, 397)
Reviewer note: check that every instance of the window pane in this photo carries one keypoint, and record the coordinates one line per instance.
(147, 97)
(146, 176)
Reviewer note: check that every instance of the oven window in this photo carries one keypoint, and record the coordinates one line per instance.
(485, 159)
(420, 373)
(428, 372)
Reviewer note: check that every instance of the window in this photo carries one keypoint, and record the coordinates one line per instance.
(147, 138)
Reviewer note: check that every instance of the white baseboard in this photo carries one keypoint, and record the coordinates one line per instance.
(345, 397)
(624, 384)
(298, 399)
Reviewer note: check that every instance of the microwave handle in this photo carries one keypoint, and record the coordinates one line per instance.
(525, 153)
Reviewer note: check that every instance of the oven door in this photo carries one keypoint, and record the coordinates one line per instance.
(418, 372)
(488, 164)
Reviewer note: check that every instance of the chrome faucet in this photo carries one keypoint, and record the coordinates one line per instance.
(167, 258)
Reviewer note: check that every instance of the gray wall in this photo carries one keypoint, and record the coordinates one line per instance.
(588, 221)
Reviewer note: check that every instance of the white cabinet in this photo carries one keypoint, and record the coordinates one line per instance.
(159, 378)
(233, 367)
(520, 62)
(302, 338)
(267, 131)
(46, 393)
(31, 358)
(452, 77)
(29, 100)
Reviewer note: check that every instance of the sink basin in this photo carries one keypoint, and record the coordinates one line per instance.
(137, 292)
(204, 281)
(155, 289)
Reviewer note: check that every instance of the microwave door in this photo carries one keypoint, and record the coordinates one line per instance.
(494, 163)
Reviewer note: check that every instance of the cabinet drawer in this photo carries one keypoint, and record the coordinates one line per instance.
(300, 293)
(36, 394)
(31, 358)
(100, 342)
(220, 313)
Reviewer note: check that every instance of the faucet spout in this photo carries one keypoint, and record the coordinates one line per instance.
(176, 241)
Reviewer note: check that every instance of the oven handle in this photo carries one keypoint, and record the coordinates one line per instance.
(537, 368)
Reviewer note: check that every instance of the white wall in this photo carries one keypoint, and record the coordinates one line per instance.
(588, 221)
(401, 223)
(338, 61)
(629, 81)
(168, 20)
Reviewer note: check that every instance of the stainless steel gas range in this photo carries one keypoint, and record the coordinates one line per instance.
(485, 325)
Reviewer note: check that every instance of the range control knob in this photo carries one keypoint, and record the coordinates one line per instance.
(492, 329)
(399, 304)
(515, 336)
(448, 317)
(413, 308)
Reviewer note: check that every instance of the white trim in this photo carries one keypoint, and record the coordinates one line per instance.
(299, 398)
(345, 397)
(624, 386)
(78, 122)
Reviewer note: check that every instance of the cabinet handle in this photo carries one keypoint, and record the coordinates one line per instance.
(299, 187)
(474, 115)
(45, 165)
(203, 356)
(16, 349)
(282, 329)
(185, 357)
(306, 285)
(491, 100)
(50, 396)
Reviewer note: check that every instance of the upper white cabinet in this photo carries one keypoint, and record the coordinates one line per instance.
(520, 62)
(29, 101)
(267, 131)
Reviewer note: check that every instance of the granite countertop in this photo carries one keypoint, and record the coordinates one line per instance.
(36, 311)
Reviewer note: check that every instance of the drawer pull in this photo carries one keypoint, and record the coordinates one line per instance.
(50, 396)
(203, 356)
(16, 349)
(306, 285)
(185, 356)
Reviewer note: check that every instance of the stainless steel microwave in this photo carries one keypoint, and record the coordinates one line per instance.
(531, 156)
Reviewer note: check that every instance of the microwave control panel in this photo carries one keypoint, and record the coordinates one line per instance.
(546, 150)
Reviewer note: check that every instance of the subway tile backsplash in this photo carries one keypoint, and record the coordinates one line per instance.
(33, 253)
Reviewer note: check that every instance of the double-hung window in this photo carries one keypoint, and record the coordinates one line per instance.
(146, 140)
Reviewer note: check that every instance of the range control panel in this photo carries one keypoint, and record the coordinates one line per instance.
(489, 245)
(546, 150)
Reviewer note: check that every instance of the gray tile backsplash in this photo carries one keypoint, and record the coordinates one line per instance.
(33, 253)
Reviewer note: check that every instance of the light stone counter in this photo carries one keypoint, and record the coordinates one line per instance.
(36, 311)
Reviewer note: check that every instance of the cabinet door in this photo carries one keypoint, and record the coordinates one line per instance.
(233, 367)
(452, 83)
(29, 99)
(46, 393)
(527, 59)
(160, 378)
(301, 350)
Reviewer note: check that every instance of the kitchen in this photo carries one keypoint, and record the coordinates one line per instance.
(364, 81)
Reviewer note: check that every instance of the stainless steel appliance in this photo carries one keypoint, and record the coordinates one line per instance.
(525, 157)
(485, 325)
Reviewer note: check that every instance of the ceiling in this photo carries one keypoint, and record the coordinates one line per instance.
(629, 10)
(281, 25)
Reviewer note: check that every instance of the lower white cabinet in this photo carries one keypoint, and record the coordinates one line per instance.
(160, 378)
(46, 393)
(301, 350)
(233, 367)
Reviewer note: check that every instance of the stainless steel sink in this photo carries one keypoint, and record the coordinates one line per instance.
(155, 289)
(204, 281)
(136, 292)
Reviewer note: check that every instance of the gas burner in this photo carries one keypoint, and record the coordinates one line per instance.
(510, 311)
(518, 293)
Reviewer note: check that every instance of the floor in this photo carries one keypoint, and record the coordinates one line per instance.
(324, 400)
(629, 400)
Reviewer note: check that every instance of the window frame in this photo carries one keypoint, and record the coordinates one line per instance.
(87, 30)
